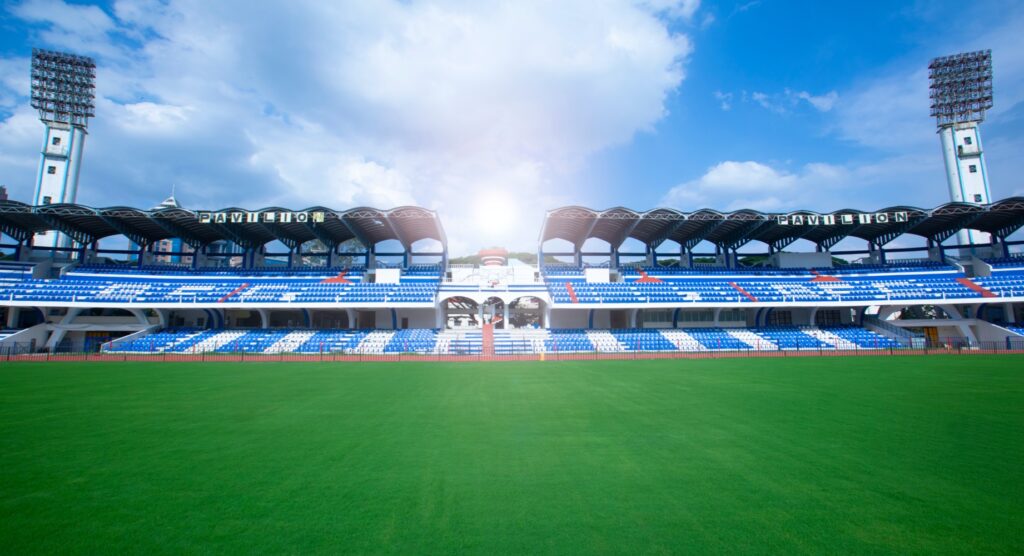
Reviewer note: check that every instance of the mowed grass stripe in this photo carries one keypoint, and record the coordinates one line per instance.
(801, 455)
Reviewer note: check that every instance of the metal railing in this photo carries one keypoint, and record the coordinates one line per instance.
(951, 346)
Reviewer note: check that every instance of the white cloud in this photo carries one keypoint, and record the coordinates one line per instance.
(887, 115)
(707, 21)
(149, 117)
(724, 100)
(767, 102)
(14, 82)
(823, 103)
(85, 21)
(83, 29)
(364, 103)
(673, 8)
(19, 163)
(733, 185)
(787, 100)
(889, 112)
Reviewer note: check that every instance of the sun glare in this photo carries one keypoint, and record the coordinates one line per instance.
(494, 213)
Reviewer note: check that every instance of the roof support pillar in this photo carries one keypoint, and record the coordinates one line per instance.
(1000, 241)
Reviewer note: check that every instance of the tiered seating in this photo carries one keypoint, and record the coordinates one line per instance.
(1006, 263)
(520, 341)
(506, 342)
(459, 342)
(4, 334)
(1016, 329)
(332, 341)
(791, 338)
(95, 284)
(643, 339)
(568, 339)
(207, 340)
(862, 337)
(253, 341)
(924, 280)
(14, 272)
(414, 340)
(375, 342)
(185, 270)
(909, 265)
(422, 271)
(156, 342)
(1004, 284)
(604, 341)
(716, 339)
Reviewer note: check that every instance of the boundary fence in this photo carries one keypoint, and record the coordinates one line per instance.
(960, 347)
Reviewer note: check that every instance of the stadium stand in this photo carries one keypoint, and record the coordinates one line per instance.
(1006, 263)
(567, 285)
(219, 286)
(507, 342)
(378, 303)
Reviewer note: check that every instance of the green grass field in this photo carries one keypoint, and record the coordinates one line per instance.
(801, 455)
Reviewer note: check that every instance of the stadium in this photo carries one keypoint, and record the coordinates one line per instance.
(796, 302)
(331, 379)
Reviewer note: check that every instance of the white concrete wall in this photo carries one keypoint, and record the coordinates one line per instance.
(39, 333)
(569, 318)
(418, 318)
(802, 260)
(988, 332)
(598, 275)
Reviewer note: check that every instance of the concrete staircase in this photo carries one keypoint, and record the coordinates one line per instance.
(488, 336)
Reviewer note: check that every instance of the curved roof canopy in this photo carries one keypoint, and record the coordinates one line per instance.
(248, 228)
(730, 230)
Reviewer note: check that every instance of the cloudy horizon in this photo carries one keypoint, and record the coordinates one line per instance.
(493, 112)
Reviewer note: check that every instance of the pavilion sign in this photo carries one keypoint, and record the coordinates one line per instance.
(260, 217)
(842, 219)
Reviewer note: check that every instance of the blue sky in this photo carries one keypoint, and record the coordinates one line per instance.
(492, 112)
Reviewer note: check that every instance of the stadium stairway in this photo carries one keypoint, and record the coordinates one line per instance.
(462, 342)
(967, 283)
(488, 339)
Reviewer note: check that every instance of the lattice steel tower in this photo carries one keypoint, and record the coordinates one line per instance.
(63, 90)
(961, 92)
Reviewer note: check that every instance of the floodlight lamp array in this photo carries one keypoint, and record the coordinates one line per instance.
(63, 87)
(961, 87)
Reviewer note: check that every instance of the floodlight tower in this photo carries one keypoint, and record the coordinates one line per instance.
(961, 92)
(63, 90)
